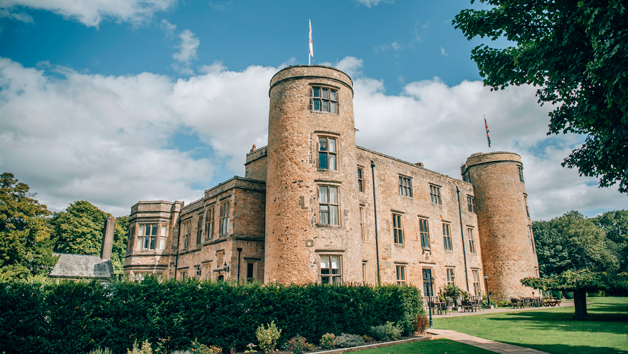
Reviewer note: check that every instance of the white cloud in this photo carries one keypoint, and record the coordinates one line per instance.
(92, 12)
(371, 3)
(168, 28)
(443, 52)
(188, 46)
(108, 139)
(18, 16)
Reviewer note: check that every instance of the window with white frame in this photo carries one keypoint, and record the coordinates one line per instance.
(435, 194)
(424, 229)
(471, 204)
(199, 229)
(476, 281)
(327, 153)
(162, 239)
(224, 218)
(331, 269)
(324, 99)
(447, 238)
(450, 276)
(185, 231)
(471, 238)
(405, 186)
(209, 223)
(401, 274)
(398, 228)
(148, 234)
(328, 205)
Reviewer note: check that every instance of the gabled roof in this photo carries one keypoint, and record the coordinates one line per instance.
(82, 266)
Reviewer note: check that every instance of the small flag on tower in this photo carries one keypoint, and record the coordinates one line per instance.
(311, 53)
(488, 135)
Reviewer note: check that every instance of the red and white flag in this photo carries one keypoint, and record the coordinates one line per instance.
(311, 53)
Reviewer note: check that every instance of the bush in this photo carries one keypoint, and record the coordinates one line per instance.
(421, 323)
(367, 339)
(327, 341)
(393, 332)
(200, 348)
(379, 332)
(348, 340)
(268, 337)
(76, 317)
(100, 351)
(298, 345)
(146, 348)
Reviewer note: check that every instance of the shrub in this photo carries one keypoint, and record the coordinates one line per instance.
(268, 337)
(367, 339)
(146, 349)
(327, 341)
(379, 332)
(200, 348)
(298, 345)
(421, 323)
(393, 332)
(348, 340)
(101, 351)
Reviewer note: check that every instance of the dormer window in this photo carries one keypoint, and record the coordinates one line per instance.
(324, 99)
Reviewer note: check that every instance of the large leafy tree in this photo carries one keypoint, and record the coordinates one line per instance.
(79, 230)
(25, 245)
(576, 52)
(574, 254)
(615, 223)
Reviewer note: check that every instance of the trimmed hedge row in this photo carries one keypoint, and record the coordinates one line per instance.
(76, 317)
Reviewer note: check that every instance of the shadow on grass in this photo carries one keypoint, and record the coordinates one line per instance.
(563, 348)
(607, 322)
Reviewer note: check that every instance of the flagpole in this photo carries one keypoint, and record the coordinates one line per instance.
(310, 52)
(488, 136)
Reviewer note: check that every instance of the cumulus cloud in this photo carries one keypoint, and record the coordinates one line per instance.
(443, 52)
(109, 139)
(187, 48)
(371, 3)
(92, 12)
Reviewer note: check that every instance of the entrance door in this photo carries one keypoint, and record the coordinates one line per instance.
(427, 285)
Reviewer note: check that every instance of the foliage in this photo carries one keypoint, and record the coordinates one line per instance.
(348, 340)
(297, 345)
(80, 230)
(268, 337)
(393, 332)
(25, 245)
(367, 339)
(452, 291)
(200, 348)
(145, 349)
(615, 223)
(421, 323)
(76, 317)
(379, 332)
(249, 348)
(327, 341)
(101, 351)
(576, 53)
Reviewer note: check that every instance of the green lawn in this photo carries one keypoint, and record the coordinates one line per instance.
(438, 346)
(552, 330)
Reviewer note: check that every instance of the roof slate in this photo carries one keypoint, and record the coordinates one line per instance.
(82, 266)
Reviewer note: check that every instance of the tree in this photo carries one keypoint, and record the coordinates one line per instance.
(574, 254)
(577, 53)
(25, 246)
(79, 230)
(615, 223)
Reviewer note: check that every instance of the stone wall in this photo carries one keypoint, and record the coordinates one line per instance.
(256, 164)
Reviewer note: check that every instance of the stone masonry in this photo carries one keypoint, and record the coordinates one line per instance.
(298, 217)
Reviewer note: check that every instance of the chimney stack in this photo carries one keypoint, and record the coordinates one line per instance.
(107, 240)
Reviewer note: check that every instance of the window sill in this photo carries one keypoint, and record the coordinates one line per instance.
(400, 245)
(322, 112)
(328, 226)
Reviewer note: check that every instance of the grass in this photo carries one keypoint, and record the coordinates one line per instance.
(438, 346)
(552, 329)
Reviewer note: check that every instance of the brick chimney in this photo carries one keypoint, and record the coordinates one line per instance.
(107, 240)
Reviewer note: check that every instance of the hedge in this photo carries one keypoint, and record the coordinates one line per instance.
(76, 317)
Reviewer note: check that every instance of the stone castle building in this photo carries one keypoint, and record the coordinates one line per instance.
(314, 207)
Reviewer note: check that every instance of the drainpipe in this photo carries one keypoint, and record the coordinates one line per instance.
(464, 251)
(176, 259)
(239, 258)
(379, 278)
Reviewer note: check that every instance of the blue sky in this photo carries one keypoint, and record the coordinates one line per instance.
(115, 101)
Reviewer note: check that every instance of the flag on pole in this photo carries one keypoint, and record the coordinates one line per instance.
(311, 53)
(488, 135)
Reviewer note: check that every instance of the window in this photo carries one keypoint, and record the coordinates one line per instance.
(330, 270)
(324, 100)
(148, 233)
(536, 272)
(520, 168)
(476, 281)
(471, 239)
(131, 236)
(525, 200)
(224, 218)
(327, 153)
(424, 229)
(447, 238)
(435, 194)
(199, 229)
(185, 230)
(209, 223)
(428, 290)
(197, 271)
(328, 205)
(250, 275)
(471, 204)
(362, 224)
(405, 186)
(364, 273)
(401, 275)
(360, 179)
(397, 228)
(450, 276)
(531, 237)
(162, 239)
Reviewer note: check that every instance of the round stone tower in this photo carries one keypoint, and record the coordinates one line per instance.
(311, 187)
(508, 251)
